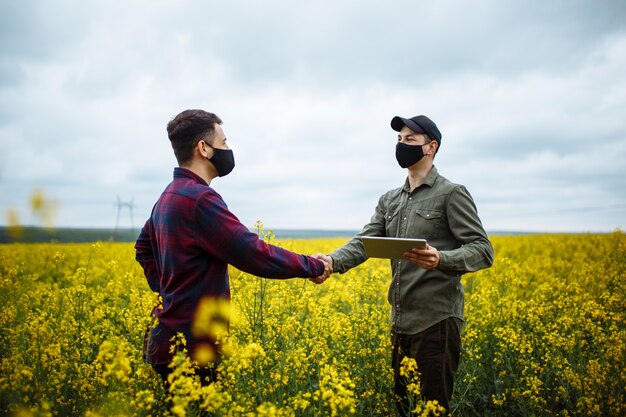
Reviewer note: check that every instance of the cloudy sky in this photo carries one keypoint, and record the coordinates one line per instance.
(530, 97)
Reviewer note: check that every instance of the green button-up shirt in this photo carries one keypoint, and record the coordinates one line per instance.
(445, 215)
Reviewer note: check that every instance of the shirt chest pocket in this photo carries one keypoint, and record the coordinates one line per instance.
(392, 222)
(427, 223)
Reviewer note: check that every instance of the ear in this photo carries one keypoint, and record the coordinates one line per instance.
(204, 150)
(434, 149)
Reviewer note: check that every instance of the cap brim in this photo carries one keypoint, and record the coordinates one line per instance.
(397, 123)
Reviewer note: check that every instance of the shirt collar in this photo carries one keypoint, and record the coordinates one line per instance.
(429, 180)
(185, 173)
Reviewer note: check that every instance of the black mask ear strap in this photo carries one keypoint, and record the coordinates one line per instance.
(207, 144)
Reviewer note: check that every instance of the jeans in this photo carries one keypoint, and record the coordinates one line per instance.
(437, 352)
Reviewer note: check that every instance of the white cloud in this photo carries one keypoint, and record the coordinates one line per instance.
(530, 102)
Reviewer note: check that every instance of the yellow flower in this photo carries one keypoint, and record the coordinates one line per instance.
(204, 354)
(546, 321)
(211, 317)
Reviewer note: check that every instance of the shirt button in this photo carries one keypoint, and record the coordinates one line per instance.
(428, 215)
(410, 198)
(404, 218)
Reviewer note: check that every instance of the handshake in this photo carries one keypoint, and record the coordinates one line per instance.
(328, 268)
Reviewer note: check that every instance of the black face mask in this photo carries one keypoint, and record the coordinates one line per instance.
(223, 160)
(407, 155)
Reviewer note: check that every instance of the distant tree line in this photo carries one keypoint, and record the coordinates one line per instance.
(30, 234)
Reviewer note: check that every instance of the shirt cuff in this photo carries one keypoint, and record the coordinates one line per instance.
(445, 261)
(336, 264)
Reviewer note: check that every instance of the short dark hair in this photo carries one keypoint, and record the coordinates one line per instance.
(187, 129)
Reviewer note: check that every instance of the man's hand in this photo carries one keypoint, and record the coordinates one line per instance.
(426, 258)
(328, 268)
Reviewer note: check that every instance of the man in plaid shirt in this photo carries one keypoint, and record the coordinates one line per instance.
(191, 237)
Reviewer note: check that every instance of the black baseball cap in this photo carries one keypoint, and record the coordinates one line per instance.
(418, 124)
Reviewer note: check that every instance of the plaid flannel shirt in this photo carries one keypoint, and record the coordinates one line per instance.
(188, 242)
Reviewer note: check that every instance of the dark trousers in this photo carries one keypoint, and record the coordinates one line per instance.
(437, 351)
(207, 375)
(157, 351)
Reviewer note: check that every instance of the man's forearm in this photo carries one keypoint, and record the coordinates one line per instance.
(348, 256)
(470, 257)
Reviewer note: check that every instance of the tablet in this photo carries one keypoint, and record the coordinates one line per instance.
(390, 247)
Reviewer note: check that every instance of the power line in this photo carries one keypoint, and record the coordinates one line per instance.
(120, 205)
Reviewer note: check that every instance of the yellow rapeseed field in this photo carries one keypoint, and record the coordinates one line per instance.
(545, 335)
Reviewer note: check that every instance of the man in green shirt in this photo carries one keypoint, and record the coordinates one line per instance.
(426, 293)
